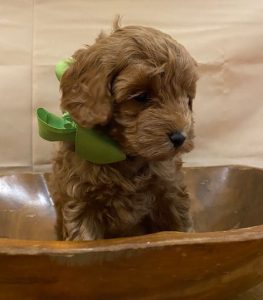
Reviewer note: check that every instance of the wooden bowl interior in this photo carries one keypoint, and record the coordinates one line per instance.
(223, 198)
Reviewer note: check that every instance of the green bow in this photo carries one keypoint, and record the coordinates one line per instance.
(90, 144)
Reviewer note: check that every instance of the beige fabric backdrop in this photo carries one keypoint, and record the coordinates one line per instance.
(225, 37)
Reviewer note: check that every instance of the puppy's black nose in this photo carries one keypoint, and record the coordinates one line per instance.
(177, 138)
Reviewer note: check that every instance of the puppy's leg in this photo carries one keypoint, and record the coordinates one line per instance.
(171, 213)
(180, 213)
(77, 225)
(171, 210)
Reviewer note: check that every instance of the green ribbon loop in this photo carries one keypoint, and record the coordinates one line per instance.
(54, 128)
(62, 66)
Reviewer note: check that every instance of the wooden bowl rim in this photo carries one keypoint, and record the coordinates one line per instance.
(156, 240)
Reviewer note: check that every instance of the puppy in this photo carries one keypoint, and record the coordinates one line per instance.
(136, 85)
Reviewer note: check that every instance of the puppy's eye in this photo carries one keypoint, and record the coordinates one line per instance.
(142, 98)
(190, 102)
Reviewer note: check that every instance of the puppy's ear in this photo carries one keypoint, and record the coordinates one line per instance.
(85, 88)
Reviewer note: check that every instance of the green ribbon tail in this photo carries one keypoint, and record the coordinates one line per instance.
(97, 147)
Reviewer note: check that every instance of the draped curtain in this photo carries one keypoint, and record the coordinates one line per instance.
(224, 36)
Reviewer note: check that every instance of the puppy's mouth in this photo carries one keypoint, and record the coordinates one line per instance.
(160, 151)
(154, 147)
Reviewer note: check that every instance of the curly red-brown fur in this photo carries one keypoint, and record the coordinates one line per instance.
(136, 85)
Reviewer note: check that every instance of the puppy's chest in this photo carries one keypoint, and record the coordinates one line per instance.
(134, 197)
(126, 204)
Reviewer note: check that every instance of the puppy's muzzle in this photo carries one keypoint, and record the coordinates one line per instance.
(177, 138)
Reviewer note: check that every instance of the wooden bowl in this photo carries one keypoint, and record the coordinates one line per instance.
(224, 258)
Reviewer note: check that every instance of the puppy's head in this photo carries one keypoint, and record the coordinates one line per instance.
(137, 84)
